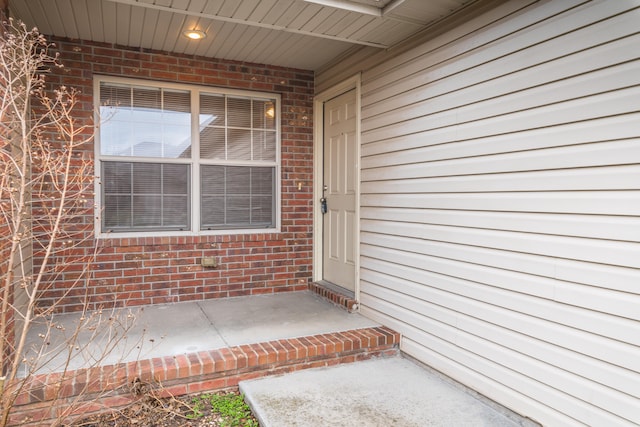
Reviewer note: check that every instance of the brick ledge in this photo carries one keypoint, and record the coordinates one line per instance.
(109, 386)
(331, 295)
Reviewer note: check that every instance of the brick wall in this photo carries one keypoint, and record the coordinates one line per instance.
(135, 271)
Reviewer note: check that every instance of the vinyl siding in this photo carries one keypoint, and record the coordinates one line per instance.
(500, 205)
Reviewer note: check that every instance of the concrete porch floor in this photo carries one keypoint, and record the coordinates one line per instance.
(300, 329)
(181, 328)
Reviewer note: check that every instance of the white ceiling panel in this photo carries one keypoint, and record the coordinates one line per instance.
(304, 34)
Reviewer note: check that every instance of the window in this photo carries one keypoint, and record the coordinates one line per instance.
(175, 158)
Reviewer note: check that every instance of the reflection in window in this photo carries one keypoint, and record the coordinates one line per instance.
(145, 122)
(147, 164)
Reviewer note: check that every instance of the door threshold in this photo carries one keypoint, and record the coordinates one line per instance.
(339, 296)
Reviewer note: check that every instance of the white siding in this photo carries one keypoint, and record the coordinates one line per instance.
(500, 206)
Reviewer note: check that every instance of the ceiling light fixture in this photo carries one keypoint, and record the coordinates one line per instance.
(269, 110)
(194, 34)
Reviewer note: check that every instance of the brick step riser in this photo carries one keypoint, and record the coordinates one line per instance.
(102, 388)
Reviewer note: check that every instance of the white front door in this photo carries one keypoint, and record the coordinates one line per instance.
(340, 190)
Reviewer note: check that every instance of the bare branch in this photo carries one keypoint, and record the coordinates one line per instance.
(46, 210)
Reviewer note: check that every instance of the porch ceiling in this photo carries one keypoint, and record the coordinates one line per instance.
(304, 34)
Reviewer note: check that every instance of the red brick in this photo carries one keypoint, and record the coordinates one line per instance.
(277, 349)
(183, 366)
(310, 347)
(263, 355)
(229, 359)
(248, 376)
(208, 364)
(209, 385)
(195, 364)
(235, 252)
(291, 351)
(319, 346)
(158, 369)
(301, 349)
(328, 344)
(173, 390)
(251, 355)
(120, 374)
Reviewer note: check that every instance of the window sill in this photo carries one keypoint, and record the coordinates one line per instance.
(151, 234)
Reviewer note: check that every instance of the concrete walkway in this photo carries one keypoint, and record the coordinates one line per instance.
(372, 393)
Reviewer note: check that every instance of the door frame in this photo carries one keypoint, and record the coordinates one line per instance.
(318, 172)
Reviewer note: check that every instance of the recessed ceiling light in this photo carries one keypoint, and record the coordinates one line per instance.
(194, 34)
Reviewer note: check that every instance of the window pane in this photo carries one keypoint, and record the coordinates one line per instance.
(112, 95)
(237, 197)
(176, 180)
(176, 102)
(176, 124)
(146, 143)
(238, 210)
(212, 180)
(212, 187)
(263, 197)
(238, 180)
(115, 115)
(237, 141)
(145, 195)
(144, 122)
(264, 145)
(212, 143)
(264, 114)
(147, 210)
(117, 178)
(117, 211)
(176, 141)
(176, 211)
(239, 112)
(147, 178)
(262, 181)
(212, 110)
(262, 209)
(238, 144)
(149, 99)
(213, 212)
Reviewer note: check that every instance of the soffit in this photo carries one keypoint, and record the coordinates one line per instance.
(304, 34)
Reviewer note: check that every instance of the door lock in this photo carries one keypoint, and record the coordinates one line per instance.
(323, 205)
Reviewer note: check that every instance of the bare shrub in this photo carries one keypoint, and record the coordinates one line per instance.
(47, 244)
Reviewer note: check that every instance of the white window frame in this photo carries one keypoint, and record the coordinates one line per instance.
(195, 163)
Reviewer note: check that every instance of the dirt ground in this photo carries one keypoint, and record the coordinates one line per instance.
(171, 412)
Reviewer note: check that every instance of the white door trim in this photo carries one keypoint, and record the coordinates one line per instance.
(318, 138)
